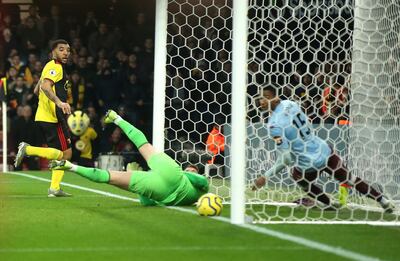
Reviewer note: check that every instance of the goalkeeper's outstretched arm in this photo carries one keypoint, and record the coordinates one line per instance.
(284, 159)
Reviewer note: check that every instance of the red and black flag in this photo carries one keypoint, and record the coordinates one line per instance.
(3, 89)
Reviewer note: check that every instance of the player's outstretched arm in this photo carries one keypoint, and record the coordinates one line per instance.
(284, 159)
(46, 88)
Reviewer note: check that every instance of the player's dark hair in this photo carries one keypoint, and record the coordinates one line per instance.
(192, 166)
(270, 89)
(55, 43)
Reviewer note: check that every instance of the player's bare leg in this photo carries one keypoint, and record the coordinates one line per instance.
(341, 173)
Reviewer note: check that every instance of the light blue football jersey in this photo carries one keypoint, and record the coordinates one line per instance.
(289, 123)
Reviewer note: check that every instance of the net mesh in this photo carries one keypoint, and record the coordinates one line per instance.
(375, 134)
(304, 49)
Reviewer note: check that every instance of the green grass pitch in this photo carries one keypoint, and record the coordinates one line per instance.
(90, 226)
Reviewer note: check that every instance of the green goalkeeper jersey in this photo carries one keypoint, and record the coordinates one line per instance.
(166, 183)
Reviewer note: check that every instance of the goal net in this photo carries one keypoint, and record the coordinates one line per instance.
(337, 58)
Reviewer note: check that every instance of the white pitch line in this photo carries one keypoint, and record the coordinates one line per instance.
(262, 230)
(338, 222)
(141, 248)
(45, 196)
(77, 187)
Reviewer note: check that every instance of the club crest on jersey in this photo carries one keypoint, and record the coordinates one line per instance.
(53, 72)
(67, 85)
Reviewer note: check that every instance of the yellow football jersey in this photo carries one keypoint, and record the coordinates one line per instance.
(47, 109)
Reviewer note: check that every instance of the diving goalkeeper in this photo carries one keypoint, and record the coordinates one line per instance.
(165, 184)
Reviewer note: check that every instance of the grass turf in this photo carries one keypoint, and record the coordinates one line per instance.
(89, 226)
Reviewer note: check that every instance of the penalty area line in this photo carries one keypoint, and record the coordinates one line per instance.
(339, 251)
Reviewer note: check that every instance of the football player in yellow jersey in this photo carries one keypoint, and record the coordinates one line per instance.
(51, 116)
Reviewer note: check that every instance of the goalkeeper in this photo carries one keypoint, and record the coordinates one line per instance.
(165, 184)
(309, 155)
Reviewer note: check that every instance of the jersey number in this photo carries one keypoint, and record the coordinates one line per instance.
(301, 125)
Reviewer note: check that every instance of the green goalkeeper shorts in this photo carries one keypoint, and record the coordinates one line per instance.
(162, 182)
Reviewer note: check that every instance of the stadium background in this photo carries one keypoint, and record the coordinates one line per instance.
(112, 63)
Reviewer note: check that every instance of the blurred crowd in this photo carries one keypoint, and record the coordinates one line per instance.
(110, 67)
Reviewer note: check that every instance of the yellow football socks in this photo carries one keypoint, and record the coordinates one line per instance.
(56, 177)
(51, 154)
(47, 153)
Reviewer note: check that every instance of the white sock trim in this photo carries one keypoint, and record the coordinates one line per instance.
(118, 119)
(73, 167)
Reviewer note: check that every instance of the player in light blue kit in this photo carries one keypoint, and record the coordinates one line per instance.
(309, 154)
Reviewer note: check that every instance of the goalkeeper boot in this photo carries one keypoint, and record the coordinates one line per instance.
(60, 165)
(53, 193)
(110, 117)
(20, 154)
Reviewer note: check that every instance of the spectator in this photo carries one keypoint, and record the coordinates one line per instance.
(102, 39)
(106, 85)
(133, 98)
(94, 118)
(147, 56)
(37, 68)
(8, 42)
(72, 25)
(334, 102)
(138, 32)
(216, 144)
(76, 92)
(83, 52)
(88, 76)
(31, 37)
(34, 15)
(90, 25)
(12, 75)
(31, 98)
(18, 92)
(120, 62)
(22, 70)
(32, 59)
(134, 68)
(9, 23)
(114, 143)
(83, 70)
(76, 45)
(53, 25)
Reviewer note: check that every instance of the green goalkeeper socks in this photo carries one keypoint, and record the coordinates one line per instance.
(93, 174)
(134, 134)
